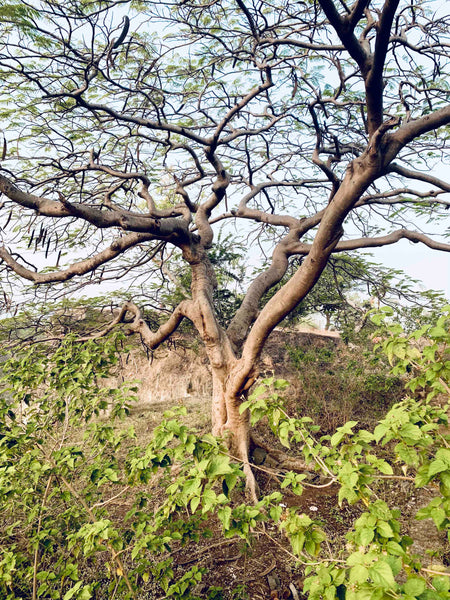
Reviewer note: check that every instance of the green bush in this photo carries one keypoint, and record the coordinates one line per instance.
(64, 466)
(411, 443)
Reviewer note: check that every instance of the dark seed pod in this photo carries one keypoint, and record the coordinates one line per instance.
(126, 27)
(31, 238)
(8, 219)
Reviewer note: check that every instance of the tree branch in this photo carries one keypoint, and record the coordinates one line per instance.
(238, 107)
(396, 168)
(409, 131)
(376, 242)
(80, 268)
(356, 13)
(147, 123)
(246, 313)
(169, 228)
(395, 197)
(344, 30)
(374, 78)
(138, 325)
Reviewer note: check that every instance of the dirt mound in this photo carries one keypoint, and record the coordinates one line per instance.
(180, 371)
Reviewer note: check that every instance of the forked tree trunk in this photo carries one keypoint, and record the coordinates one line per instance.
(227, 422)
(233, 376)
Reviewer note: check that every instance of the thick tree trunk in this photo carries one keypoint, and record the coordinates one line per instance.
(234, 427)
(218, 407)
(237, 427)
(227, 422)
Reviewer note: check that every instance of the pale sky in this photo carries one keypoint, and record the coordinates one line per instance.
(432, 267)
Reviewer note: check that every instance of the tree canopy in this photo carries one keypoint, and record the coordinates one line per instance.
(135, 130)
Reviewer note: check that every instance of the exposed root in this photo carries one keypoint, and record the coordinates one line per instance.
(251, 486)
(278, 459)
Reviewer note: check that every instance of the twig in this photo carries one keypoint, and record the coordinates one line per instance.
(264, 573)
(269, 569)
(394, 477)
(98, 504)
(203, 550)
(433, 572)
(36, 552)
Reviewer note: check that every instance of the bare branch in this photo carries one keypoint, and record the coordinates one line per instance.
(410, 174)
(377, 242)
(138, 324)
(80, 268)
(374, 79)
(162, 229)
(344, 29)
(413, 129)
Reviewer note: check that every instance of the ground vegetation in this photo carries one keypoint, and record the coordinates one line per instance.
(103, 497)
(135, 131)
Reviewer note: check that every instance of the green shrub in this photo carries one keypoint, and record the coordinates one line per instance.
(411, 443)
(88, 512)
(63, 467)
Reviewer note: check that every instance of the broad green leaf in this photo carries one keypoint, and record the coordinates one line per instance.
(437, 466)
(366, 535)
(382, 575)
(359, 574)
(414, 586)
(384, 529)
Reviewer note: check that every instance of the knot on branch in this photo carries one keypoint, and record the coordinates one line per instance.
(377, 137)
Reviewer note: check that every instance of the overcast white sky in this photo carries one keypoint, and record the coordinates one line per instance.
(430, 266)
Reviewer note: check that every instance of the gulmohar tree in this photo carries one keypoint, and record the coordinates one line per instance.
(134, 131)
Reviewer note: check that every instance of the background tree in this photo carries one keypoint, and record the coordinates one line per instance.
(351, 286)
(133, 129)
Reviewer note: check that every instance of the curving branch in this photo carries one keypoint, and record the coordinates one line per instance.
(261, 216)
(138, 324)
(237, 108)
(247, 312)
(82, 267)
(407, 132)
(344, 30)
(124, 117)
(410, 174)
(374, 78)
(356, 13)
(377, 242)
(395, 197)
(171, 228)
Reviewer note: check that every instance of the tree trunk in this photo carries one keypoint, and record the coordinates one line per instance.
(237, 427)
(227, 422)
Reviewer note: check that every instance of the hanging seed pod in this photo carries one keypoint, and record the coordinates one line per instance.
(48, 246)
(31, 238)
(39, 237)
(8, 219)
(123, 34)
